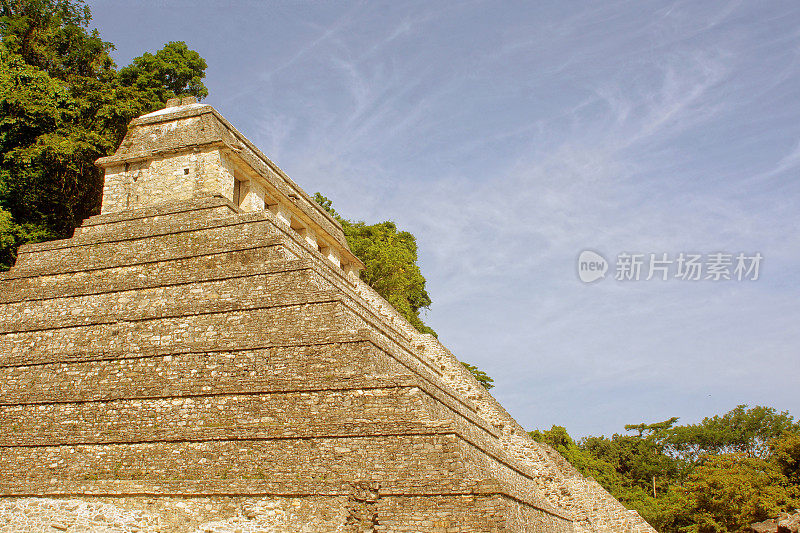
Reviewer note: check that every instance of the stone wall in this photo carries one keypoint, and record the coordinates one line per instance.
(166, 179)
(363, 510)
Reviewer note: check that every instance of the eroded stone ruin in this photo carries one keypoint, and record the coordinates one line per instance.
(202, 356)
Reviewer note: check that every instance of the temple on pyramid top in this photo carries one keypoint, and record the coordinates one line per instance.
(188, 150)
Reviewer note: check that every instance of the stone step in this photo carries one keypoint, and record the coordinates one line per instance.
(213, 508)
(258, 256)
(295, 322)
(264, 415)
(327, 278)
(329, 461)
(426, 462)
(283, 281)
(347, 363)
(237, 232)
(168, 217)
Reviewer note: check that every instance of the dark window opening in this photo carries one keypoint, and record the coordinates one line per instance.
(237, 191)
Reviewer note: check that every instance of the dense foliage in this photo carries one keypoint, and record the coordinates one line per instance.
(390, 261)
(717, 475)
(63, 104)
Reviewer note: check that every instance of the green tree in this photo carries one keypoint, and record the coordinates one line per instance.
(482, 377)
(643, 458)
(390, 260)
(50, 119)
(727, 492)
(13, 234)
(175, 70)
(645, 475)
(51, 35)
(47, 174)
(62, 106)
(717, 475)
(8, 236)
(741, 430)
(785, 454)
(656, 430)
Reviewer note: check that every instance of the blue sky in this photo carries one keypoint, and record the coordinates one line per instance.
(510, 136)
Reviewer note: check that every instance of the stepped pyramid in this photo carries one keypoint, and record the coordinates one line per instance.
(202, 356)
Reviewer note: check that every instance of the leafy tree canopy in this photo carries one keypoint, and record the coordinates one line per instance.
(718, 475)
(728, 492)
(785, 453)
(482, 377)
(655, 430)
(741, 430)
(172, 71)
(63, 105)
(51, 35)
(390, 260)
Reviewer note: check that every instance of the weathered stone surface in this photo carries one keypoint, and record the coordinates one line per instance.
(784, 523)
(767, 526)
(789, 523)
(204, 358)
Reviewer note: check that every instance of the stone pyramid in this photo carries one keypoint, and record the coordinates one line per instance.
(202, 356)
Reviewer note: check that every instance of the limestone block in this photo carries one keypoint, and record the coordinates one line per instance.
(309, 235)
(332, 254)
(282, 212)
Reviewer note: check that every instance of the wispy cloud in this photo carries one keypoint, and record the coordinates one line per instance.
(790, 161)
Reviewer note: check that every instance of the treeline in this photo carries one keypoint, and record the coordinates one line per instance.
(719, 475)
(63, 104)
